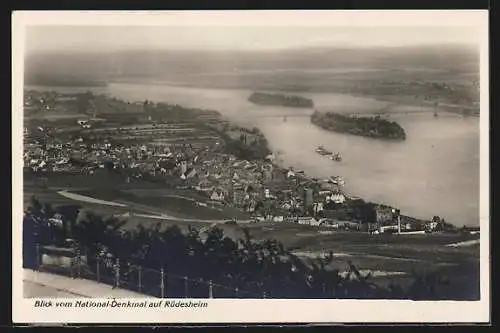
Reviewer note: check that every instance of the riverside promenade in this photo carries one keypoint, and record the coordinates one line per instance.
(40, 284)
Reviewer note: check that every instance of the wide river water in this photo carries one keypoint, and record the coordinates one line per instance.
(434, 172)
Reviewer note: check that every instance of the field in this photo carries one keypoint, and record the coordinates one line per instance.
(174, 205)
(142, 199)
(388, 258)
(137, 197)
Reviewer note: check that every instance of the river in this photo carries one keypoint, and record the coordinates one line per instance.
(434, 172)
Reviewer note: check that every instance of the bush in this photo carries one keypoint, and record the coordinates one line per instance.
(253, 266)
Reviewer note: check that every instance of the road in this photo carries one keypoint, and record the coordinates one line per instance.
(84, 198)
(153, 215)
(38, 290)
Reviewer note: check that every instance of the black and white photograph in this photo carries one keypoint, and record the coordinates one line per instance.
(335, 160)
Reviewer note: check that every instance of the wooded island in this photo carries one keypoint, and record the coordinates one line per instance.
(281, 100)
(373, 127)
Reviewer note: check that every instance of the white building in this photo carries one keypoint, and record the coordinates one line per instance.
(278, 218)
(217, 196)
(315, 223)
(433, 225)
(337, 198)
(318, 207)
(306, 220)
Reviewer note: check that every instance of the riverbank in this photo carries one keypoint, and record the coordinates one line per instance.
(430, 188)
(415, 97)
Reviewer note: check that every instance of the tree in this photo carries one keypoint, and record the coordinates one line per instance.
(92, 230)
(254, 266)
(35, 207)
(368, 213)
(29, 241)
(69, 215)
(109, 165)
(83, 101)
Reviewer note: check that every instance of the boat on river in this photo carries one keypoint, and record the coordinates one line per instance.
(322, 151)
(336, 157)
(333, 156)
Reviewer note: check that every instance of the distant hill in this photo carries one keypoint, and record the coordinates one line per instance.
(63, 80)
(185, 65)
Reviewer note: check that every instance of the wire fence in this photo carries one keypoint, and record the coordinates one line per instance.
(153, 282)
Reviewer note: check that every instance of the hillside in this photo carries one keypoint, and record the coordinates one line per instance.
(163, 64)
(444, 75)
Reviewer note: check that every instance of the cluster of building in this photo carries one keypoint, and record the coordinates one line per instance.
(260, 188)
(36, 101)
(257, 187)
(190, 157)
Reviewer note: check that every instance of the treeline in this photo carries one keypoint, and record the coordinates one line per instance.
(257, 267)
(255, 149)
(281, 100)
(113, 107)
(374, 127)
(166, 111)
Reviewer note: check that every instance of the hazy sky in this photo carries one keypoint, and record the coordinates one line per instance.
(111, 38)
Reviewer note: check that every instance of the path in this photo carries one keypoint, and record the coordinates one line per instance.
(167, 217)
(161, 216)
(41, 284)
(84, 198)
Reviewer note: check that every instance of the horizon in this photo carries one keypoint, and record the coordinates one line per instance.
(242, 39)
(451, 45)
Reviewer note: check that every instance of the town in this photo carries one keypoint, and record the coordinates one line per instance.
(191, 154)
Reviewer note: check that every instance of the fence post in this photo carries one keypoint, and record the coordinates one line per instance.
(78, 263)
(162, 282)
(210, 289)
(98, 266)
(140, 278)
(38, 256)
(185, 287)
(236, 291)
(117, 273)
(72, 265)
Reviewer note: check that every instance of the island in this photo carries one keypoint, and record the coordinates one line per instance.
(280, 100)
(373, 127)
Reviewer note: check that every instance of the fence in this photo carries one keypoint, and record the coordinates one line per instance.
(119, 274)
